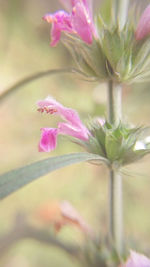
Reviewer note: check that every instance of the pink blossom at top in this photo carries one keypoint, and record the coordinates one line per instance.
(143, 28)
(78, 21)
(137, 260)
(72, 125)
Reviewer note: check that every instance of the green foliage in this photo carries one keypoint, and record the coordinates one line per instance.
(15, 179)
(114, 54)
(90, 59)
(119, 145)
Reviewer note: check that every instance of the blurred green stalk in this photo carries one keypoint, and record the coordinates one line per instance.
(114, 117)
(115, 179)
(120, 12)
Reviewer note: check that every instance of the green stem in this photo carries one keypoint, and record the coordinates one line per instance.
(115, 181)
(114, 103)
(39, 75)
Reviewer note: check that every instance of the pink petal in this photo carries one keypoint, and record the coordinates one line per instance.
(55, 34)
(78, 22)
(143, 28)
(68, 114)
(48, 139)
(61, 21)
(82, 23)
(48, 101)
(86, 3)
(77, 132)
(137, 260)
(73, 127)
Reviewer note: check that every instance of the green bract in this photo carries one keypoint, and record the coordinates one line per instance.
(120, 145)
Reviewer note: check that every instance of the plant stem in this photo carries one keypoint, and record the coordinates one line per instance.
(115, 181)
(8, 91)
(114, 103)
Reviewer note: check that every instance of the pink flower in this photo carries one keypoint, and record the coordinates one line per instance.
(48, 140)
(72, 125)
(137, 260)
(79, 21)
(143, 28)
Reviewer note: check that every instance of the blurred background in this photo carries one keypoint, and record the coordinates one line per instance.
(24, 49)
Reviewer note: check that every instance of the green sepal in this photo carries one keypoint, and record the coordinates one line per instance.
(113, 47)
(89, 58)
(117, 144)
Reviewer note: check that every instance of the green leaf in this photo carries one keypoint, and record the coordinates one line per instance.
(15, 179)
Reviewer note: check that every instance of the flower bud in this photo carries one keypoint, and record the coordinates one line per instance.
(143, 28)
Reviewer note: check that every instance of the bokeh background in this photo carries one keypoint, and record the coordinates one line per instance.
(24, 49)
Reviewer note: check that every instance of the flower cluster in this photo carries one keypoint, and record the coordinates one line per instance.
(102, 51)
(106, 53)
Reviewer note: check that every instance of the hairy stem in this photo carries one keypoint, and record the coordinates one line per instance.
(8, 91)
(115, 179)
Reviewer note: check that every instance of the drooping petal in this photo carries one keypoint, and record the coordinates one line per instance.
(48, 139)
(137, 260)
(143, 28)
(77, 132)
(61, 21)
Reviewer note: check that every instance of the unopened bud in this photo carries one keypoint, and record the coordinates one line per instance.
(143, 28)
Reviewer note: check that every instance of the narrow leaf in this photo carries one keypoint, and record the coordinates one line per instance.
(15, 179)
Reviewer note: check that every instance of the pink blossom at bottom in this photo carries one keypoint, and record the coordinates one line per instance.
(48, 139)
(137, 260)
(72, 125)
